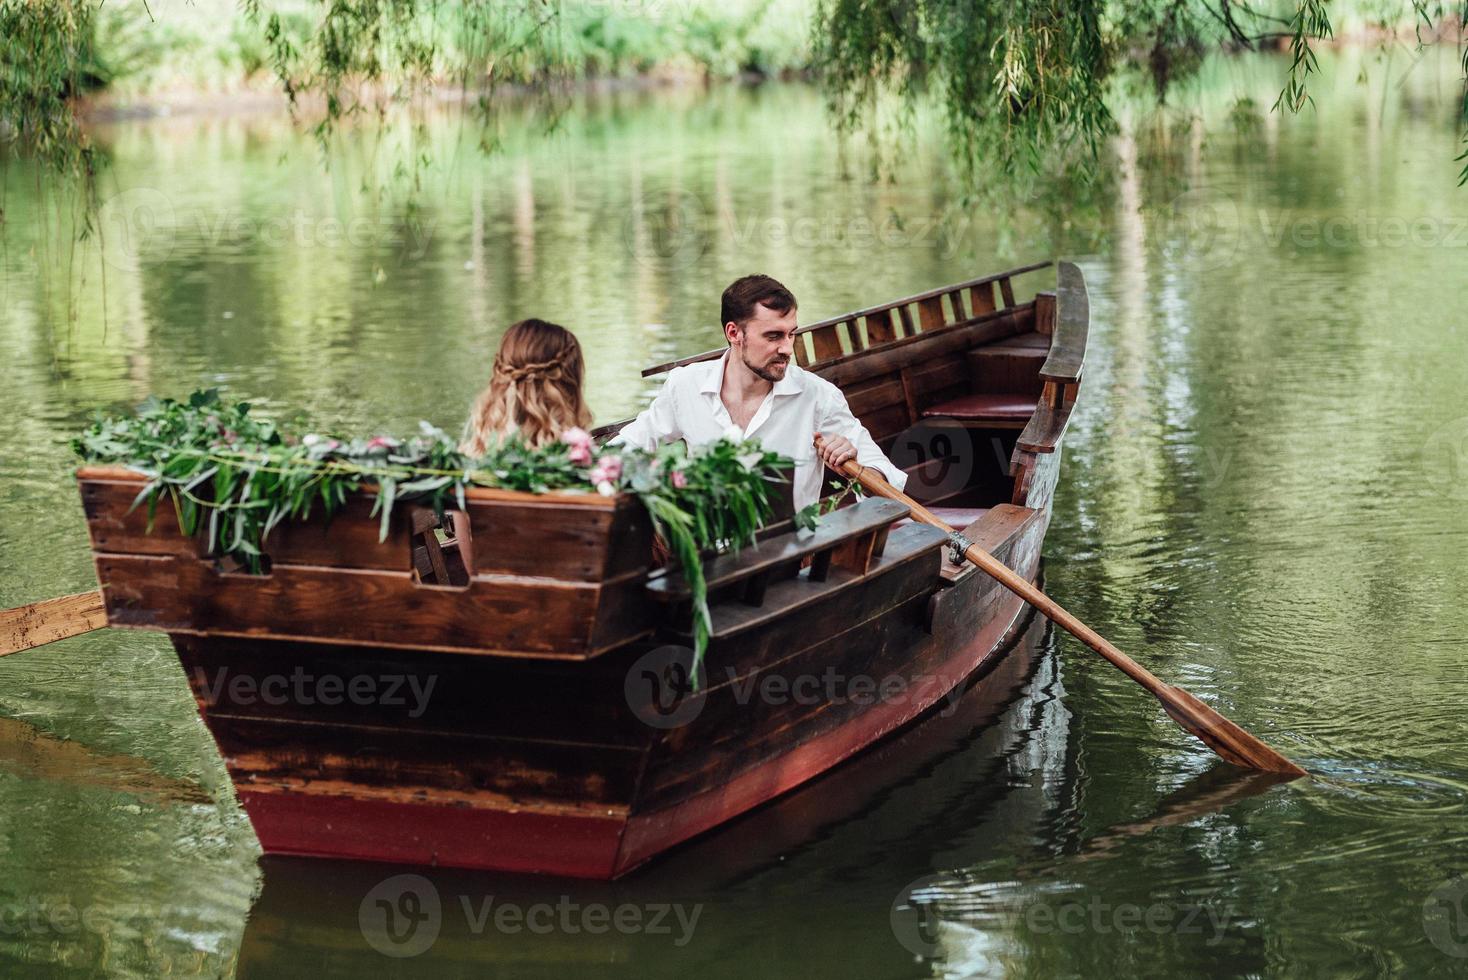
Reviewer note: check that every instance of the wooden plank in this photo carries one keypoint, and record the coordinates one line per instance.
(50, 620)
(570, 702)
(981, 299)
(1045, 312)
(930, 382)
(502, 615)
(871, 629)
(955, 301)
(113, 527)
(578, 536)
(1006, 291)
(880, 328)
(886, 422)
(408, 765)
(559, 541)
(857, 521)
(931, 313)
(1045, 429)
(890, 358)
(904, 314)
(349, 540)
(747, 639)
(909, 399)
(1072, 323)
(1006, 369)
(874, 395)
(826, 344)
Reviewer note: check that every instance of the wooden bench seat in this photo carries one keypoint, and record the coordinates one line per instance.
(1005, 409)
(866, 519)
(1029, 341)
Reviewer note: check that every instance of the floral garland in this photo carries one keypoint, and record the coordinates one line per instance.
(239, 475)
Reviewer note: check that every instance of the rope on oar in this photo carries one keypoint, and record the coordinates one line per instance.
(53, 619)
(1226, 739)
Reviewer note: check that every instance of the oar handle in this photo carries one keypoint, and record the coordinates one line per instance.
(1221, 735)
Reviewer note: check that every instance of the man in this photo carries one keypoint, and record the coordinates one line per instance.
(755, 391)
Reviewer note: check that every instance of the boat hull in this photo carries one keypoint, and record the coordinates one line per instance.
(529, 707)
(316, 785)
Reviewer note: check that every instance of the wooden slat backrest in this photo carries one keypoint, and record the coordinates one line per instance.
(930, 313)
(981, 298)
(880, 328)
(825, 335)
(826, 343)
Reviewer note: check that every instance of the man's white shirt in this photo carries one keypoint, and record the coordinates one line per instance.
(798, 406)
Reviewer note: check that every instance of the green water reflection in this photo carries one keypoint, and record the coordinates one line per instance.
(1262, 499)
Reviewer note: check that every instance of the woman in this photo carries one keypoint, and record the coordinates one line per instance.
(535, 390)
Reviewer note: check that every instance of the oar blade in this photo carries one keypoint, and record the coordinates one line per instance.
(54, 619)
(1229, 741)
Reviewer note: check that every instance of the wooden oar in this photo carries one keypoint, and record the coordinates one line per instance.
(54, 619)
(1231, 742)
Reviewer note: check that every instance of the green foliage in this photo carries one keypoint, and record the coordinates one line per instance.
(43, 64)
(1023, 83)
(236, 476)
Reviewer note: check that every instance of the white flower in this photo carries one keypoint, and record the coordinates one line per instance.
(606, 489)
(750, 460)
(310, 440)
(734, 433)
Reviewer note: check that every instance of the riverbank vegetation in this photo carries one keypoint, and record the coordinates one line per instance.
(1025, 86)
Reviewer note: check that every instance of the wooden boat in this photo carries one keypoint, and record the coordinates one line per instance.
(375, 700)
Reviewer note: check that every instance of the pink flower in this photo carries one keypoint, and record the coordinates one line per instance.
(581, 445)
(382, 442)
(608, 468)
(679, 480)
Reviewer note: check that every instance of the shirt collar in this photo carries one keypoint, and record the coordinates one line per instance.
(713, 378)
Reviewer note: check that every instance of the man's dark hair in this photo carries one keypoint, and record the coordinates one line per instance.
(743, 294)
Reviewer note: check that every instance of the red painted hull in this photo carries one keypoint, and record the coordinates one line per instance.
(591, 844)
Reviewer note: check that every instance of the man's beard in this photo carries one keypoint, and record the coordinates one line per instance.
(773, 369)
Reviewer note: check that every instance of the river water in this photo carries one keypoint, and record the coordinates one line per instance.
(1262, 499)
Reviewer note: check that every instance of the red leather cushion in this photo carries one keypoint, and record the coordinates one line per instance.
(999, 407)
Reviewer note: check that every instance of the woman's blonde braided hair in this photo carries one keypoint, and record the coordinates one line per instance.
(534, 390)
